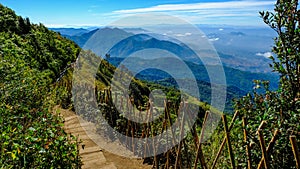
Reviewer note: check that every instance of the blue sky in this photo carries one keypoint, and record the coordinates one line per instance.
(67, 13)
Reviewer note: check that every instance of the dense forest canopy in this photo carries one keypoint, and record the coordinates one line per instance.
(31, 59)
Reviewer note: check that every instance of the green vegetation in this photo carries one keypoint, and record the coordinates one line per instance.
(137, 95)
(31, 59)
(280, 108)
(271, 116)
(278, 111)
(36, 67)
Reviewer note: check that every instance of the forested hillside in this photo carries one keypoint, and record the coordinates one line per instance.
(36, 75)
(31, 60)
(238, 82)
(36, 67)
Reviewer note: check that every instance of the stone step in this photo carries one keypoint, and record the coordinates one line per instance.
(91, 155)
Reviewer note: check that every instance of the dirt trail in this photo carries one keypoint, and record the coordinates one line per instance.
(92, 155)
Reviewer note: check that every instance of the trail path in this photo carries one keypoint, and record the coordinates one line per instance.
(92, 155)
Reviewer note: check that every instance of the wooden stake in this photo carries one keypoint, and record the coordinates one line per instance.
(122, 104)
(170, 122)
(168, 160)
(115, 100)
(180, 143)
(295, 150)
(228, 141)
(261, 126)
(132, 115)
(199, 149)
(187, 154)
(224, 140)
(192, 128)
(156, 160)
(269, 148)
(248, 153)
(263, 148)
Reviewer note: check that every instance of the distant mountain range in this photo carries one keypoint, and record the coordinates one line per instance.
(247, 48)
(70, 31)
(237, 50)
(246, 39)
(242, 48)
(139, 42)
(238, 82)
(234, 77)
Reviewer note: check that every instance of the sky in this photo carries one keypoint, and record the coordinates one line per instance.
(80, 13)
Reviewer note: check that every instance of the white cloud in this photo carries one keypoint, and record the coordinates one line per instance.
(243, 12)
(179, 35)
(214, 39)
(182, 35)
(266, 54)
(197, 6)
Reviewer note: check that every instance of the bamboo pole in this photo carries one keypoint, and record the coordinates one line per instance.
(263, 148)
(132, 137)
(156, 160)
(224, 140)
(187, 154)
(192, 128)
(121, 104)
(180, 143)
(168, 160)
(164, 127)
(127, 124)
(132, 115)
(147, 128)
(164, 123)
(178, 155)
(228, 141)
(115, 100)
(248, 153)
(156, 165)
(295, 150)
(170, 122)
(261, 126)
(147, 134)
(167, 120)
(199, 149)
(269, 148)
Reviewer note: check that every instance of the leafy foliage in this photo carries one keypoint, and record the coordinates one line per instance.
(280, 108)
(31, 58)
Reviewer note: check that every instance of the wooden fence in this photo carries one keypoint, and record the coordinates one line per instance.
(179, 151)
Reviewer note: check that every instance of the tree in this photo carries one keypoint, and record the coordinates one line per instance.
(286, 22)
(107, 56)
(31, 136)
(281, 108)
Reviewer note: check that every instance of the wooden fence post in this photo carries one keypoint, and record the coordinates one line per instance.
(180, 142)
(228, 141)
(263, 148)
(224, 140)
(199, 149)
(248, 153)
(269, 148)
(295, 150)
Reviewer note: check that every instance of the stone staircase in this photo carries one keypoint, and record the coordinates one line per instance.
(91, 154)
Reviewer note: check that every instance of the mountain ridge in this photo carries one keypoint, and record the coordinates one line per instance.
(227, 41)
